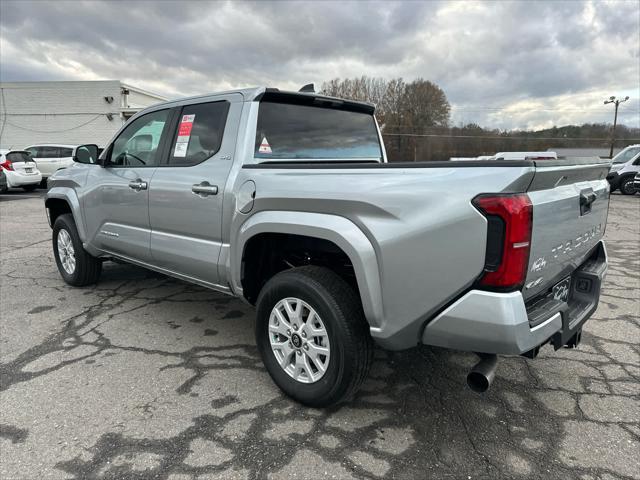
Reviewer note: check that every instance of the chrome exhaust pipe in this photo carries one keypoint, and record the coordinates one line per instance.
(482, 374)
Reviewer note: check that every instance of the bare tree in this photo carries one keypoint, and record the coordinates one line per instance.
(425, 105)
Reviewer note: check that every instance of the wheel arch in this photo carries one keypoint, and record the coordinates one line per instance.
(59, 201)
(339, 231)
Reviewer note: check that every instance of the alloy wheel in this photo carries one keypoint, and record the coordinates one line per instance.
(66, 253)
(299, 340)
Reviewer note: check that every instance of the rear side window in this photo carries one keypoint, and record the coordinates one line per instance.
(199, 133)
(66, 152)
(49, 152)
(288, 131)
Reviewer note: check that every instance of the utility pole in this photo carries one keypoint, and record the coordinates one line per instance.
(617, 103)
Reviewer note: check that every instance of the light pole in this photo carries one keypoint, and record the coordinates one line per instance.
(617, 103)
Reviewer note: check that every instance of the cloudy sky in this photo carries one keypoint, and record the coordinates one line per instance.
(507, 64)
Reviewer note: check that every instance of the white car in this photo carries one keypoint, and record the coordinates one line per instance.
(51, 157)
(524, 156)
(623, 170)
(20, 169)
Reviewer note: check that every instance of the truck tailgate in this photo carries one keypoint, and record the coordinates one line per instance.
(570, 201)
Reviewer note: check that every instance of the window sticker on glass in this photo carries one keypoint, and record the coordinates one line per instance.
(180, 150)
(264, 146)
(184, 134)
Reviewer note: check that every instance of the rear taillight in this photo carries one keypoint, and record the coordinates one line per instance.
(6, 165)
(509, 218)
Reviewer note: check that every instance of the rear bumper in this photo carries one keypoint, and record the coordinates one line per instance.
(501, 323)
(18, 179)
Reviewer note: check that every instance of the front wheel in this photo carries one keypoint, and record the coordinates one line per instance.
(75, 265)
(312, 335)
(626, 186)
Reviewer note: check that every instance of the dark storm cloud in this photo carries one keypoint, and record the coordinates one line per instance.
(508, 64)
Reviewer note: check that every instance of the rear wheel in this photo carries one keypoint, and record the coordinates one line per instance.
(75, 265)
(30, 188)
(312, 336)
(626, 186)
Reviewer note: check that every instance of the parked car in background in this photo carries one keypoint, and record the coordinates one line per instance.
(625, 166)
(510, 156)
(3, 181)
(51, 157)
(524, 156)
(20, 169)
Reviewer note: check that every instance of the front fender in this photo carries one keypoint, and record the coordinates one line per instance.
(339, 230)
(69, 195)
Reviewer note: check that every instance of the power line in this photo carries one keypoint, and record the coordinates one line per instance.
(52, 131)
(499, 137)
(58, 113)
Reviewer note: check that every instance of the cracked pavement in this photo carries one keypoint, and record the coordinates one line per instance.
(143, 376)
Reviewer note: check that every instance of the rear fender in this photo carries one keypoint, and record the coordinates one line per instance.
(339, 230)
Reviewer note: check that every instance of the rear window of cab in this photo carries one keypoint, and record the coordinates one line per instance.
(291, 131)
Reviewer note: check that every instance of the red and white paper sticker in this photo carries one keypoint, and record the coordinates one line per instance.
(184, 134)
(264, 146)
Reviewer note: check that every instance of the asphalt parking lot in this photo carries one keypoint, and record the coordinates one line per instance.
(143, 376)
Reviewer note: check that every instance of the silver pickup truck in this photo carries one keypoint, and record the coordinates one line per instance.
(286, 201)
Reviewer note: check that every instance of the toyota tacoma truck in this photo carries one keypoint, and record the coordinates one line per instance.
(286, 200)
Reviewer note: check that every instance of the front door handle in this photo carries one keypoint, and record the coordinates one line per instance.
(204, 189)
(138, 185)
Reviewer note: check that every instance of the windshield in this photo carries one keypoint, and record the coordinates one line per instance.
(288, 131)
(626, 155)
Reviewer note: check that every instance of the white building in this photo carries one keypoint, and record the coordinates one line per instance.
(67, 112)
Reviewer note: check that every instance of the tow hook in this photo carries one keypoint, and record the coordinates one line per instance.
(482, 374)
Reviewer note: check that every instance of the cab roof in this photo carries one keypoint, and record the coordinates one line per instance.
(265, 93)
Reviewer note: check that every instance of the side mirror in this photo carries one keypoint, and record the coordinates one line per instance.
(86, 154)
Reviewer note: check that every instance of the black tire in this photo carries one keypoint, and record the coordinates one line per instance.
(626, 186)
(339, 308)
(87, 268)
(43, 183)
(30, 188)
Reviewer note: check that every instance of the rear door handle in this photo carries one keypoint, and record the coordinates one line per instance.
(204, 189)
(138, 185)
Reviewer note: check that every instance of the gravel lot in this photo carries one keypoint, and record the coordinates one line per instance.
(143, 376)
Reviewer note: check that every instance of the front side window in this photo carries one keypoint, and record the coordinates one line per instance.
(138, 144)
(290, 131)
(626, 155)
(199, 133)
